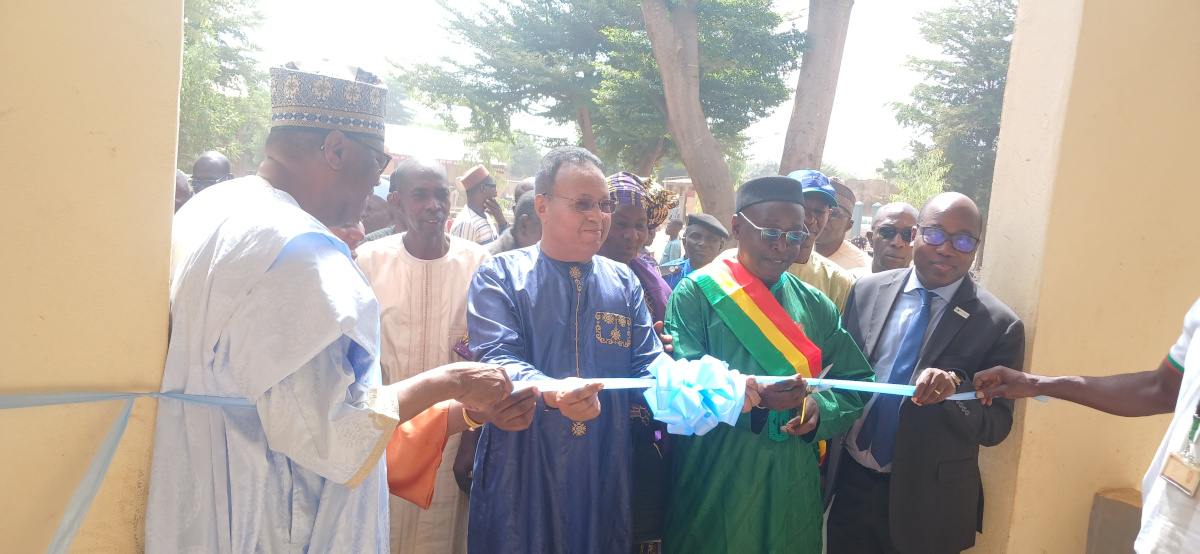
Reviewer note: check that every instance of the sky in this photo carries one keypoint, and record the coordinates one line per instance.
(862, 130)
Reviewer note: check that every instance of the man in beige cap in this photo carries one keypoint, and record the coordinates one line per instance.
(269, 313)
(832, 242)
(472, 222)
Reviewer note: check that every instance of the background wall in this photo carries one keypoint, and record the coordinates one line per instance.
(1097, 155)
(88, 103)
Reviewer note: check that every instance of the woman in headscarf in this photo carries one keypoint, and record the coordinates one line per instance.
(640, 205)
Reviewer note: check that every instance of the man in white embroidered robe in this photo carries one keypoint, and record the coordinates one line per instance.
(267, 306)
(421, 278)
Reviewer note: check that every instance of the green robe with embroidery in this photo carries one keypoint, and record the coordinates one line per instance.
(737, 491)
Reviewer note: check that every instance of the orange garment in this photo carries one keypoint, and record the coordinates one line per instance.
(414, 454)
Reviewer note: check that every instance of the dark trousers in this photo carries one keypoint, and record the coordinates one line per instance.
(858, 519)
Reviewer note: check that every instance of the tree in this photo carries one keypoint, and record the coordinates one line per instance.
(804, 143)
(533, 56)
(743, 57)
(398, 112)
(675, 32)
(224, 103)
(591, 62)
(958, 104)
(918, 178)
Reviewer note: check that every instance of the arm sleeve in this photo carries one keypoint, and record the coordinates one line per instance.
(686, 321)
(414, 454)
(989, 425)
(646, 345)
(1178, 353)
(324, 420)
(839, 408)
(494, 326)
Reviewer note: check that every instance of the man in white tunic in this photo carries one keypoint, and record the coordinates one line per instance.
(268, 310)
(421, 278)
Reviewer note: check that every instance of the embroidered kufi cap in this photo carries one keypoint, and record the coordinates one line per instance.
(337, 98)
(843, 194)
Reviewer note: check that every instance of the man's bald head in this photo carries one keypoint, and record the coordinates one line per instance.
(951, 202)
(945, 247)
(523, 187)
(891, 236)
(414, 168)
(209, 169)
(896, 209)
(211, 164)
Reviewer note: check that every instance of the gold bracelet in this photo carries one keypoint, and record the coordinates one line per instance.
(470, 422)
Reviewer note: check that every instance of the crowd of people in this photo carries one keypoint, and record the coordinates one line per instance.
(374, 336)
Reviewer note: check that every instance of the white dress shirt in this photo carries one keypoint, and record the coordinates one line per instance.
(908, 305)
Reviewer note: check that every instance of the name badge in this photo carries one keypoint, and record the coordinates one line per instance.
(961, 312)
(1181, 472)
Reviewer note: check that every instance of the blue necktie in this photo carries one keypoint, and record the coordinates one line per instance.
(879, 430)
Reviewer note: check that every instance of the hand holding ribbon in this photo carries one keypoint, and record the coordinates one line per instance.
(578, 404)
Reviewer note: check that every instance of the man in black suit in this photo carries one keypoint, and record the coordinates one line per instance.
(907, 475)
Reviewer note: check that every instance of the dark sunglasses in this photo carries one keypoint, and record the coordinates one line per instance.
(581, 205)
(772, 235)
(960, 241)
(889, 232)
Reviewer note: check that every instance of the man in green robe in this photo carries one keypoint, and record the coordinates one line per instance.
(755, 487)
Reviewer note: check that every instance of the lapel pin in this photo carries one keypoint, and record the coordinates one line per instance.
(961, 312)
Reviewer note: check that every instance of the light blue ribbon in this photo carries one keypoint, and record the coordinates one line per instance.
(85, 493)
(693, 396)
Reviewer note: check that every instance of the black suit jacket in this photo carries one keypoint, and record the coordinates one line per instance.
(936, 498)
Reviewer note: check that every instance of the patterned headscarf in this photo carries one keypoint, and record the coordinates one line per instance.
(627, 188)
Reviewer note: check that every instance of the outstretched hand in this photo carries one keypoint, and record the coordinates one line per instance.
(479, 385)
(513, 413)
(1003, 382)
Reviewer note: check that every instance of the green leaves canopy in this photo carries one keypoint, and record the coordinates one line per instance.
(959, 103)
(557, 58)
(224, 103)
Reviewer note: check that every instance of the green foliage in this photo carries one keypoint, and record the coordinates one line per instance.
(557, 58)
(959, 102)
(919, 178)
(521, 157)
(532, 56)
(224, 102)
(743, 62)
(398, 113)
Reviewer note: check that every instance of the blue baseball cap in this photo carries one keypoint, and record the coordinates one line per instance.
(812, 180)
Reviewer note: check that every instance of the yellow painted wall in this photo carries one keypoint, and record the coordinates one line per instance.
(88, 113)
(1090, 241)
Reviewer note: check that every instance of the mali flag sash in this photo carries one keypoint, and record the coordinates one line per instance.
(757, 319)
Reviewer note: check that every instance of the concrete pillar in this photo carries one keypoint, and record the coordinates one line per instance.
(857, 217)
(1090, 242)
(88, 117)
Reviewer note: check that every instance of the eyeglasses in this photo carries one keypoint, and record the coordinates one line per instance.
(772, 235)
(582, 205)
(889, 232)
(960, 241)
(381, 157)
